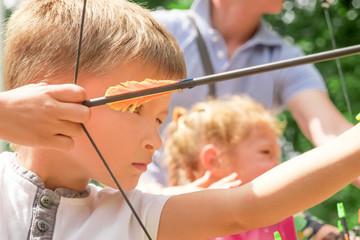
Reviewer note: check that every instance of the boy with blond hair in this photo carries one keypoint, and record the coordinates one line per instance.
(45, 193)
(47, 189)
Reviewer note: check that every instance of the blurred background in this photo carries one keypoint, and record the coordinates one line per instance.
(303, 23)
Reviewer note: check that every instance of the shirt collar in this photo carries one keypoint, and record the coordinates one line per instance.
(202, 8)
(265, 36)
(35, 179)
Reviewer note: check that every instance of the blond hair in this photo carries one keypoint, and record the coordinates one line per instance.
(218, 122)
(42, 37)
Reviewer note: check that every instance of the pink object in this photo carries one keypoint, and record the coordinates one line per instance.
(286, 228)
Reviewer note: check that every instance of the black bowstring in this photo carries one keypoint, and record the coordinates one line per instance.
(80, 43)
(91, 139)
(325, 5)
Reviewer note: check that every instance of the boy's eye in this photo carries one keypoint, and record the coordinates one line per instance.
(133, 110)
(265, 151)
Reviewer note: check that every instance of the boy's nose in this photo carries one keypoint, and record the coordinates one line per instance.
(152, 142)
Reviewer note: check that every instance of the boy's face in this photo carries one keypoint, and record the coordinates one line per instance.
(254, 155)
(126, 140)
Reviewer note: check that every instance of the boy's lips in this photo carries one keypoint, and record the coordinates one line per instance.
(141, 166)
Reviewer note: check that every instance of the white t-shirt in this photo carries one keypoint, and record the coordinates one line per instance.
(30, 211)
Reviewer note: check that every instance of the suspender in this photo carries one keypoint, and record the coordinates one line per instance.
(204, 54)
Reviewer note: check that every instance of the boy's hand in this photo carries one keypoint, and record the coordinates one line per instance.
(205, 181)
(202, 183)
(41, 115)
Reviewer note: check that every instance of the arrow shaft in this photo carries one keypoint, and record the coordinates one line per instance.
(218, 77)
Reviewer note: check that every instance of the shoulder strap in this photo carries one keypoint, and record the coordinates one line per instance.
(204, 54)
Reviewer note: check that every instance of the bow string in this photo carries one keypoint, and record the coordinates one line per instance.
(325, 5)
(91, 139)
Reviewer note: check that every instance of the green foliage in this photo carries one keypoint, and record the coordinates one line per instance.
(167, 4)
(308, 29)
(327, 210)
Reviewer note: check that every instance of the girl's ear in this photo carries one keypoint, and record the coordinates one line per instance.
(209, 160)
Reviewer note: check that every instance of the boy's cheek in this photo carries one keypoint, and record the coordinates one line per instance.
(103, 116)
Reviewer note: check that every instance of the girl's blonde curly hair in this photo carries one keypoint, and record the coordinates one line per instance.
(218, 122)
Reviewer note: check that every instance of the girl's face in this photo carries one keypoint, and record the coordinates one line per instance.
(252, 156)
(126, 140)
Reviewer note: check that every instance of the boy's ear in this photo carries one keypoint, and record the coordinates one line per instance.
(209, 159)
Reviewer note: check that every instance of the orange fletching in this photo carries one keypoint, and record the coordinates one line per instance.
(133, 86)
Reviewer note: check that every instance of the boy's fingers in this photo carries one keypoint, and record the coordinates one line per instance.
(204, 181)
(62, 142)
(73, 112)
(56, 142)
(229, 181)
(69, 129)
(67, 93)
(228, 178)
(234, 184)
